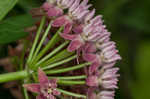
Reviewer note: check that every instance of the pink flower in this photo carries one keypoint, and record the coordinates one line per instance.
(45, 88)
(76, 41)
(107, 54)
(105, 95)
(65, 3)
(107, 79)
(52, 10)
(63, 21)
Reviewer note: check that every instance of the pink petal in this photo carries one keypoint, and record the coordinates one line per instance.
(74, 45)
(94, 67)
(42, 77)
(54, 12)
(92, 81)
(55, 92)
(67, 28)
(78, 29)
(46, 6)
(51, 97)
(32, 87)
(89, 48)
(60, 21)
(89, 57)
(53, 83)
(68, 36)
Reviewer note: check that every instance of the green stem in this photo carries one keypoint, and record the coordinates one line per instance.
(60, 56)
(56, 38)
(36, 38)
(69, 77)
(25, 93)
(71, 94)
(13, 76)
(69, 82)
(52, 53)
(43, 39)
(67, 69)
(60, 62)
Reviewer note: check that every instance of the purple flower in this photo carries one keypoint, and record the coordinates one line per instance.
(107, 79)
(45, 88)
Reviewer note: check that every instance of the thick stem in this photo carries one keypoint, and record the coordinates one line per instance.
(67, 69)
(13, 76)
(71, 94)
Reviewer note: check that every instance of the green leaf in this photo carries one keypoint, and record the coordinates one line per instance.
(6, 6)
(12, 29)
(29, 4)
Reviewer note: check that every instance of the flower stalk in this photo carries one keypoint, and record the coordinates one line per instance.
(59, 63)
(69, 77)
(50, 44)
(71, 94)
(36, 38)
(70, 82)
(13, 76)
(67, 69)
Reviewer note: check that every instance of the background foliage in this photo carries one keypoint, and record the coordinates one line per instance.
(129, 22)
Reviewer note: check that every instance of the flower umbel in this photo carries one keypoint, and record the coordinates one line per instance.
(46, 89)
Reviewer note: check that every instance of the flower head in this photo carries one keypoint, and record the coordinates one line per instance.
(45, 88)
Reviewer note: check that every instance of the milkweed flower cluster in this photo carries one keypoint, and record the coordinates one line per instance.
(89, 37)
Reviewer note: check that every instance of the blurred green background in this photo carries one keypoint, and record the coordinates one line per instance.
(129, 22)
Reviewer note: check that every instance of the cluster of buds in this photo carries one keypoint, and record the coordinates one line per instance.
(89, 37)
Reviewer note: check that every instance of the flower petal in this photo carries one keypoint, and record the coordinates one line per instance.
(51, 97)
(55, 92)
(78, 29)
(32, 87)
(74, 45)
(68, 36)
(54, 12)
(46, 6)
(89, 57)
(67, 28)
(94, 67)
(60, 21)
(53, 83)
(42, 77)
(92, 81)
